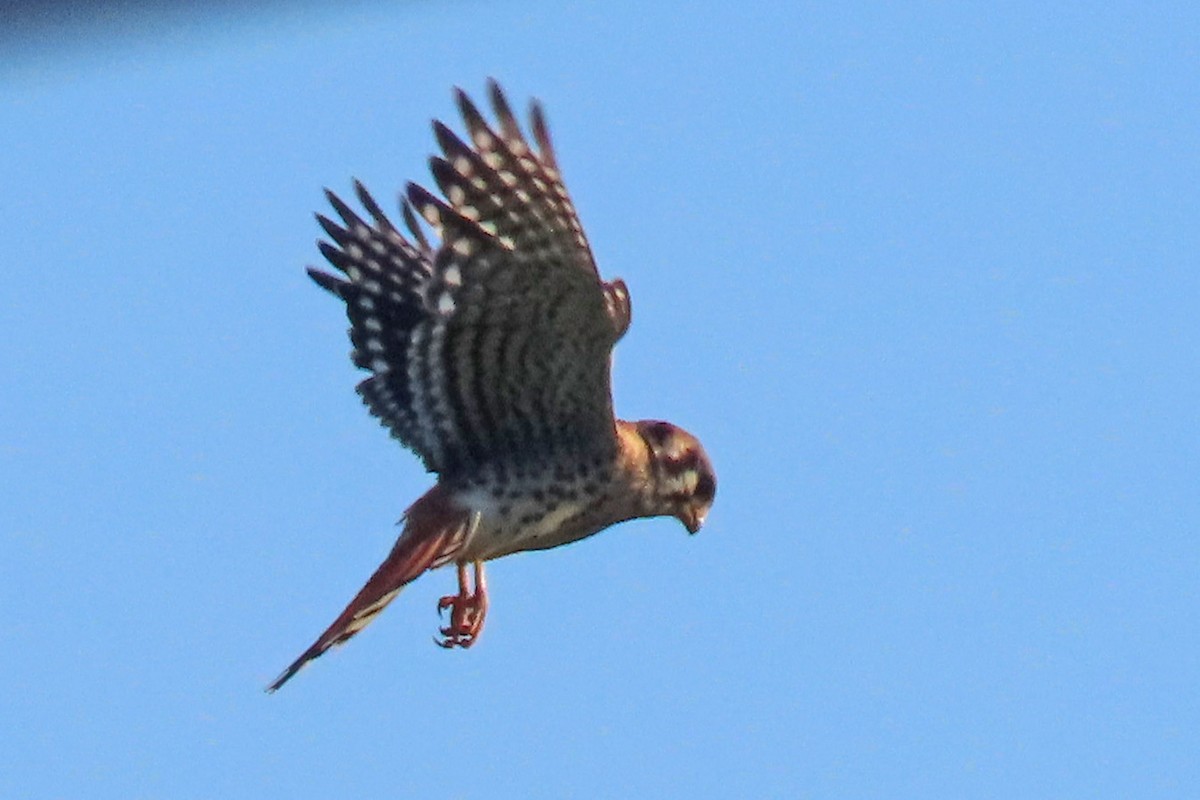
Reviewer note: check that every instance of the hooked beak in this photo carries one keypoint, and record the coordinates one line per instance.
(692, 518)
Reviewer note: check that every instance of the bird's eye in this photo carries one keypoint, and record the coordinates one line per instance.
(706, 488)
(659, 432)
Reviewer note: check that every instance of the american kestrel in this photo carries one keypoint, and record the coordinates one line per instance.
(490, 358)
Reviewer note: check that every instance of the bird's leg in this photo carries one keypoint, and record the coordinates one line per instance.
(467, 609)
(457, 603)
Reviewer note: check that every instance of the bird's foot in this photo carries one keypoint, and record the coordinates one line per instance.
(467, 610)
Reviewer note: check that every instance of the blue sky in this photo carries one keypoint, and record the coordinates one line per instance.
(921, 276)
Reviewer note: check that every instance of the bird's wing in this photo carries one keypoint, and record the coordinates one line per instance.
(384, 294)
(493, 348)
(435, 529)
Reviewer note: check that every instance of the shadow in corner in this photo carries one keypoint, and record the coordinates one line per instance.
(47, 32)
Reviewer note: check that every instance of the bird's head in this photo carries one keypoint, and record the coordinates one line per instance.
(684, 481)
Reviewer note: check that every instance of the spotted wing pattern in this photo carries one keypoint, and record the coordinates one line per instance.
(385, 304)
(517, 194)
(492, 349)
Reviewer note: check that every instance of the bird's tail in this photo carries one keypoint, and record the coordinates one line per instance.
(435, 529)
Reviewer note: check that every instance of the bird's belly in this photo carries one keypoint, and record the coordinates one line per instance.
(531, 528)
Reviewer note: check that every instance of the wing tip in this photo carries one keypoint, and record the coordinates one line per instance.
(326, 281)
(372, 207)
(504, 114)
(541, 134)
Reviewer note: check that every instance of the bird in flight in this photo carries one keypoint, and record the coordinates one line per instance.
(490, 358)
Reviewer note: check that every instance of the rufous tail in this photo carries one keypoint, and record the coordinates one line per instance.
(434, 531)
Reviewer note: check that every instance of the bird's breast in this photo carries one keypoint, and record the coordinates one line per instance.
(538, 514)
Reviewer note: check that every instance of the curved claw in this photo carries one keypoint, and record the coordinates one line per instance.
(468, 609)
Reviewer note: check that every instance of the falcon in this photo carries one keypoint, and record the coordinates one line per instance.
(490, 357)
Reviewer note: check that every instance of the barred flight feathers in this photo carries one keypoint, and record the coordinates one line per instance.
(504, 184)
(494, 347)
